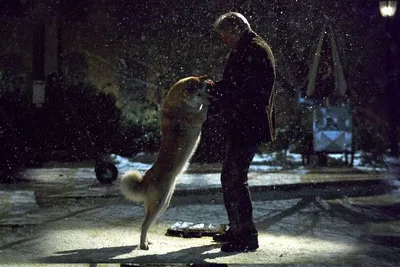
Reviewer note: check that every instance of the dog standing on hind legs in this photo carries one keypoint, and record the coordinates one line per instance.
(183, 113)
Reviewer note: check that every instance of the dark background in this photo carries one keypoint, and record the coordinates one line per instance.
(107, 65)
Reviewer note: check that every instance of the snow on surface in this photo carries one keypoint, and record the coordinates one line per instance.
(263, 162)
(125, 164)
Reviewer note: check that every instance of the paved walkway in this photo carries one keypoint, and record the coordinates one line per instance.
(63, 215)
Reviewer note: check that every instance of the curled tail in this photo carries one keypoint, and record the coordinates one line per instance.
(131, 186)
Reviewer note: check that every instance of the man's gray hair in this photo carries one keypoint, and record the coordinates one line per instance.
(232, 21)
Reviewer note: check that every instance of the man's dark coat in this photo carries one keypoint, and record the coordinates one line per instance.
(246, 91)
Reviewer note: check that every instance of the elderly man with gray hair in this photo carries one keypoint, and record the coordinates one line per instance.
(244, 102)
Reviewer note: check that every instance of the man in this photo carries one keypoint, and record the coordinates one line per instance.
(244, 98)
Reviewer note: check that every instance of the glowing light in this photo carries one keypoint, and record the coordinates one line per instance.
(388, 8)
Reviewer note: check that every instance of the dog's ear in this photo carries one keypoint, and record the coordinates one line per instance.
(203, 78)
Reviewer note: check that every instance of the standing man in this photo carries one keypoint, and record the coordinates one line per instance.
(244, 100)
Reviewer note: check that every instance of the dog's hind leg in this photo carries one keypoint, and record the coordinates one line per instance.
(148, 222)
(154, 208)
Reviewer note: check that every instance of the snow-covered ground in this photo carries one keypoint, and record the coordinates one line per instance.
(265, 162)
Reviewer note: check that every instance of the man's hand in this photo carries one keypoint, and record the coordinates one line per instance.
(210, 89)
(209, 83)
(218, 90)
(220, 94)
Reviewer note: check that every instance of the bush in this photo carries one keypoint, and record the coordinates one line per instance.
(140, 122)
(83, 124)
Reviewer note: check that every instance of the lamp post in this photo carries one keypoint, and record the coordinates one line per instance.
(388, 10)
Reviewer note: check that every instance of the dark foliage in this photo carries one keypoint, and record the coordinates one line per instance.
(82, 121)
(151, 44)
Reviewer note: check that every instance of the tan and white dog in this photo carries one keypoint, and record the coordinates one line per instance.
(183, 113)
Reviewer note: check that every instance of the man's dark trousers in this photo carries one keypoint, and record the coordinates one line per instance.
(235, 188)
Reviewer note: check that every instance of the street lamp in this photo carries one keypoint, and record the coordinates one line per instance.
(388, 10)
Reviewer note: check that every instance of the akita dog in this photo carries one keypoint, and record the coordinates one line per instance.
(183, 113)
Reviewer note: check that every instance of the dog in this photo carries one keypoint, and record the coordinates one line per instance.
(184, 111)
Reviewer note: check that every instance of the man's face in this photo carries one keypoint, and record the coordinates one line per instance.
(229, 39)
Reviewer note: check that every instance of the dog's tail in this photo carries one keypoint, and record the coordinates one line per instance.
(131, 186)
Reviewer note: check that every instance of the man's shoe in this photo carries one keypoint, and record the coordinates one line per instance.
(225, 237)
(249, 243)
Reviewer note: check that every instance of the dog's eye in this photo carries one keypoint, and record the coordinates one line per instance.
(191, 89)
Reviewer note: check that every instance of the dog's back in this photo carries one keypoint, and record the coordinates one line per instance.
(183, 113)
